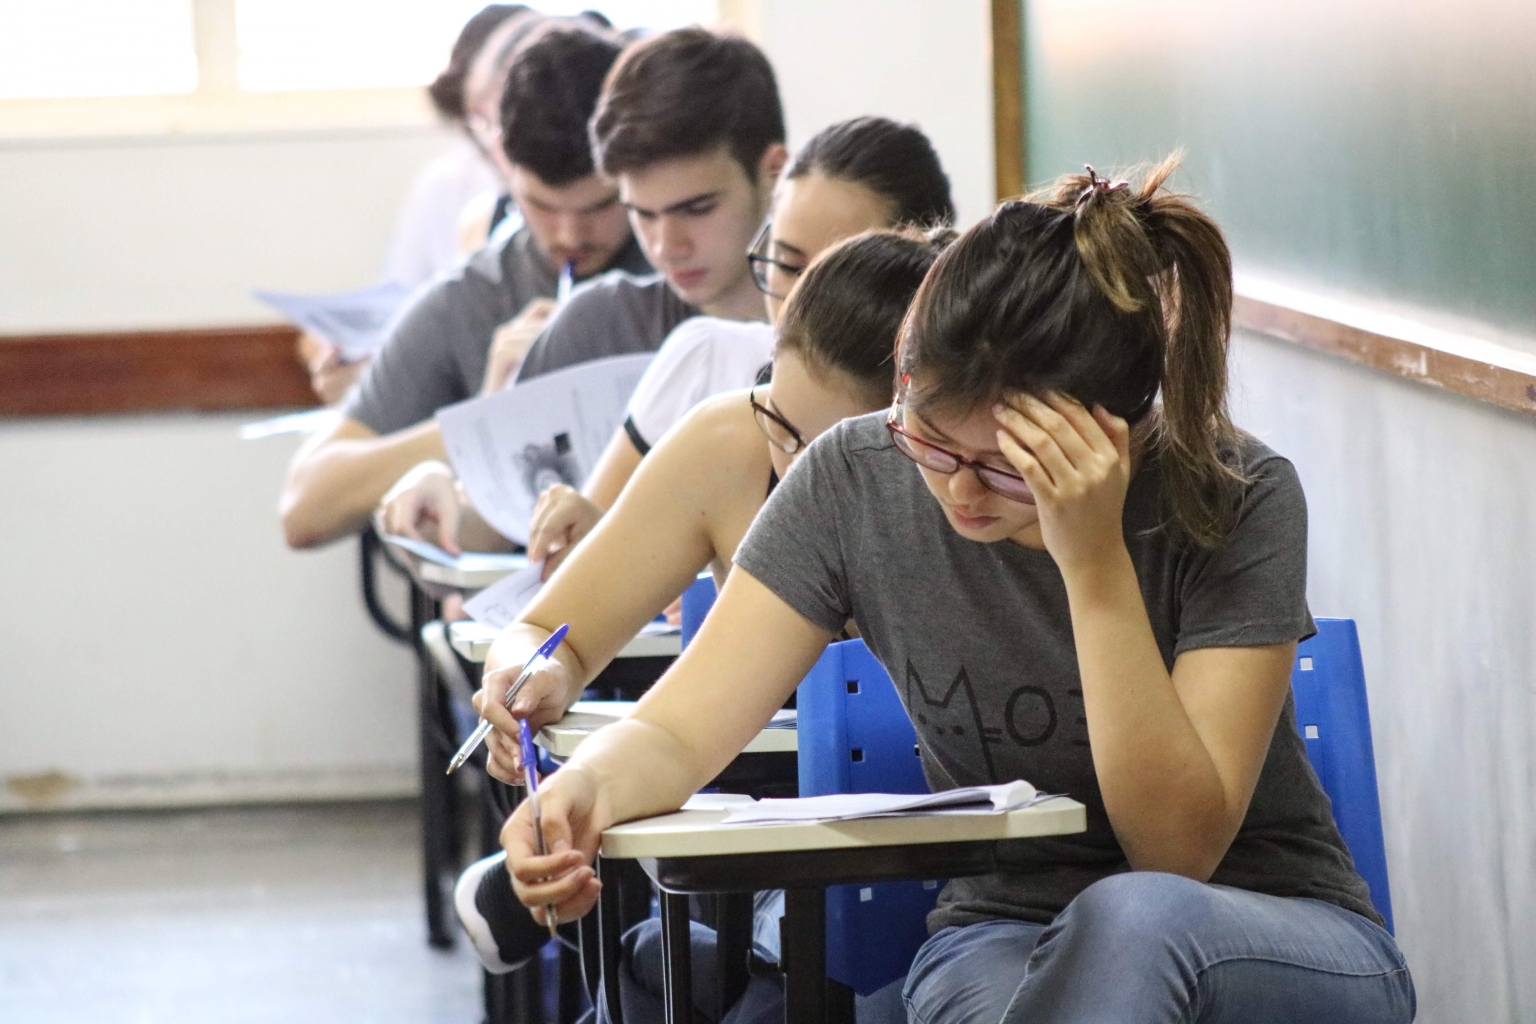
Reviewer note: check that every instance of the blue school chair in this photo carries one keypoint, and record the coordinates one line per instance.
(855, 737)
(1334, 720)
(698, 599)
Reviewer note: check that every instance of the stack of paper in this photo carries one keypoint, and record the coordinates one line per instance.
(1008, 796)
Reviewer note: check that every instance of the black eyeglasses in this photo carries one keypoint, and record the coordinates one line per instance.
(778, 430)
(774, 278)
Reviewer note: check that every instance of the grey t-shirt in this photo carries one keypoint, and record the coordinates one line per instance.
(615, 314)
(978, 638)
(437, 351)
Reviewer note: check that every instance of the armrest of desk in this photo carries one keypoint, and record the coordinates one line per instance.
(692, 852)
(700, 833)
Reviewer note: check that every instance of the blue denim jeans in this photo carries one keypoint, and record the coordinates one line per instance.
(1144, 947)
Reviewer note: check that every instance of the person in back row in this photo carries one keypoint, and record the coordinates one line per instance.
(868, 172)
(688, 506)
(1072, 583)
(428, 235)
(689, 124)
(436, 354)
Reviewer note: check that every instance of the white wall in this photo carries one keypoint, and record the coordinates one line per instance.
(913, 60)
(157, 641)
(175, 231)
(160, 644)
(1422, 527)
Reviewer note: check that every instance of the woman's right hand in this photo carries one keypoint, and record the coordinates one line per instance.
(424, 501)
(561, 518)
(543, 699)
(563, 877)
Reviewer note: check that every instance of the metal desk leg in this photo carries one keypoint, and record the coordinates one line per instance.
(439, 820)
(733, 939)
(677, 958)
(804, 955)
(610, 930)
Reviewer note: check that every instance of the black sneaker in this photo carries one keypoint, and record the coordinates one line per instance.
(504, 934)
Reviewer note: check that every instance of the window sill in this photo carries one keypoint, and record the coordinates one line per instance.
(27, 123)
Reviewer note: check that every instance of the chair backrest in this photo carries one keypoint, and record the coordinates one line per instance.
(698, 599)
(1334, 720)
(855, 737)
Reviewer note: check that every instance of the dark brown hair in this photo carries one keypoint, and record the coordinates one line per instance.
(845, 311)
(447, 89)
(552, 87)
(683, 93)
(893, 160)
(1111, 295)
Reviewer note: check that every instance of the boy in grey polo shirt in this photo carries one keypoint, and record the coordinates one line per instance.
(691, 127)
(437, 352)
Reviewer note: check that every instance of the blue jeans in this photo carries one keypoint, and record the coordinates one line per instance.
(1144, 947)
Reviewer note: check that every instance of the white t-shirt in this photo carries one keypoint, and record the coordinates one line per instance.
(703, 356)
(426, 236)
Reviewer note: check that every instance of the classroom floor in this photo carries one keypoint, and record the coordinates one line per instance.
(291, 914)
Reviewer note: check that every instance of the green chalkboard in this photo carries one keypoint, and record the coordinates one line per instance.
(1370, 150)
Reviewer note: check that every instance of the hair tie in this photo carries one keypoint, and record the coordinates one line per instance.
(1098, 184)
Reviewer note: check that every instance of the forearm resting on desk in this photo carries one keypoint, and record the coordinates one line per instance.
(338, 477)
(748, 657)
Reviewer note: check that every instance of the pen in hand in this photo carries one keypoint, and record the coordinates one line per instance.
(566, 280)
(531, 781)
(546, 649)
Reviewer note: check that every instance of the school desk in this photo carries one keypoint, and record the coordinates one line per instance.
(692, 853)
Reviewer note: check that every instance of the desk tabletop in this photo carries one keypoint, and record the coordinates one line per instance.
(698, 832)
(473, 641)
(587, 716)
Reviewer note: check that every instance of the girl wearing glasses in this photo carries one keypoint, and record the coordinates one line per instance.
(688, 507)
(857, 175)
(1116, 584)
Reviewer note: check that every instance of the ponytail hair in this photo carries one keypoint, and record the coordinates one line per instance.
(1112, 294)
(844, 312)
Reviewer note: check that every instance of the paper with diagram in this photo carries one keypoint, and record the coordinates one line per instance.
(355, 322)
(508, 447)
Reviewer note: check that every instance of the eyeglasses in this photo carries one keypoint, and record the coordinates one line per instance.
(774, 278)
(778, 430)
(941, 460)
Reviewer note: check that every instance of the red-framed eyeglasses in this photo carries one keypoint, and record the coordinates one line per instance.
(941, 460)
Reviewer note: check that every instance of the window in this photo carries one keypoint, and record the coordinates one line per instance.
(114, 67)
(345, 44)
(362, 44)
(96, 48)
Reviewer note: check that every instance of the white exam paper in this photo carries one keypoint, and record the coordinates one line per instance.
(290, 423)
(356, 322)
(508, 447)
(469, 561)
(1007, 796)
(499, 604)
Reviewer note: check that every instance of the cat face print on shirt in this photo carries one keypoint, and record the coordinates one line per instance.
(950, 716)
(969, 730)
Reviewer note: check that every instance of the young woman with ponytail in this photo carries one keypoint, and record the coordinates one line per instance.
(1079, 573)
